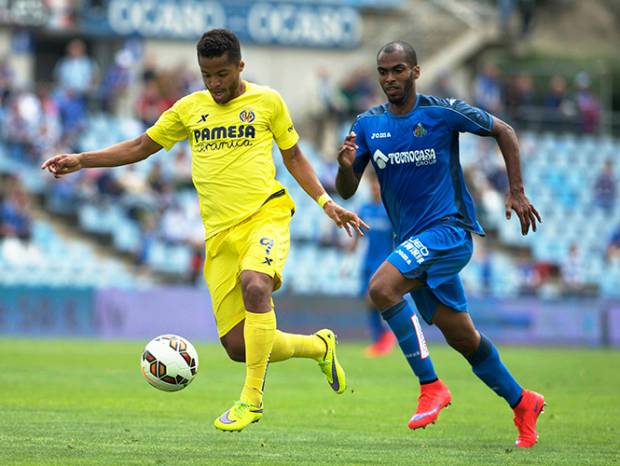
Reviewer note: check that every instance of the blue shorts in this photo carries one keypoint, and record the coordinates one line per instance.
(435, 256)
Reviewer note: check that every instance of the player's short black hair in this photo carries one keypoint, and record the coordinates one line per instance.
(411, 58)
(217, 42)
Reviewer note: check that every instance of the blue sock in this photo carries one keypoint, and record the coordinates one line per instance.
(487, 365)
(377, 326)
(404, 323)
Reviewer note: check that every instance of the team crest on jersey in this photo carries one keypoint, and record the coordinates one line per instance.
(247, 116)
(419, 130)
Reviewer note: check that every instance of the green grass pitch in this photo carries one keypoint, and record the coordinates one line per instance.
(85, 402)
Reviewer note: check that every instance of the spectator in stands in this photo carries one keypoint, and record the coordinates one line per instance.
(572, 272)
(182, 168)
(359, 91)
(21, 126)
(519, 98)
(15, 218)
(442, 87)
(559, 108)
(107, 185)
(527, 274)
(150, 103)
(588, 106)
(115, 83)
(605, 188)
(76, 75)
(6, 80)
(487, 93)
(50, 129)
(156, 179)
(613, 246)
(556, 96)
(326, 107)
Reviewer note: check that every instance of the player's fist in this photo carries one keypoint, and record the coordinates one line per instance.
(346, 153)
(62, 164)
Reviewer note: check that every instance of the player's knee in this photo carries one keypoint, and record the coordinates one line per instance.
(381, 294)
(255, 293)
(235, 351)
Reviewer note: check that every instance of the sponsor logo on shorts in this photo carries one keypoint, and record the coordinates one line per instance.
(416, 249)
(268, 243)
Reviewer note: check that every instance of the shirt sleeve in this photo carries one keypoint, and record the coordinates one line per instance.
(362, 156)
(169, 128)
(281, 124)
(466, 118)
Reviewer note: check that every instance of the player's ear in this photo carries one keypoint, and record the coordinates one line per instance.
(241, 66)
(416, 71)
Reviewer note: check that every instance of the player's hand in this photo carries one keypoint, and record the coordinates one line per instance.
(528, 215)
(346, 153)
(63, 164)
(345, 218)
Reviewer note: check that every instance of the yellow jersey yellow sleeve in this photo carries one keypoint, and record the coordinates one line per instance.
(169, 128)
(281, 124)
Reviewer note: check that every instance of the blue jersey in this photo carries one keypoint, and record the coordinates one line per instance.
(379, 239)
(416, 157)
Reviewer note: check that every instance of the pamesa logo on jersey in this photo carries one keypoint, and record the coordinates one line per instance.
(225, 137)
(420, 157)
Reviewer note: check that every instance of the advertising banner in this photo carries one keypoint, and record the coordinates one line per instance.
(262, 22)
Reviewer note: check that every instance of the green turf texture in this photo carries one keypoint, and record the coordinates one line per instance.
(85, 402)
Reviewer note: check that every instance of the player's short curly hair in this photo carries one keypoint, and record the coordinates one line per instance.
(217, 42)
(411, 57)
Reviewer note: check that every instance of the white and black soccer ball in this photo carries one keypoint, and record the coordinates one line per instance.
(169, 363)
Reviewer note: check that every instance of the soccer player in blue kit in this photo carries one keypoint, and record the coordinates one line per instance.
(412, 142)
(379, 244)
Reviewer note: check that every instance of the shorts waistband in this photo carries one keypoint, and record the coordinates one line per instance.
(275, 195)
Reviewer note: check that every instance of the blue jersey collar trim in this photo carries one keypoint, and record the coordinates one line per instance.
(405, 115)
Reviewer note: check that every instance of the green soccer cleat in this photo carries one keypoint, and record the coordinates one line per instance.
(238, 417)
(334, 373)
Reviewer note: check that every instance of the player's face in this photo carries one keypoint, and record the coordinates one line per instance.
(221, 77)
(396, 77)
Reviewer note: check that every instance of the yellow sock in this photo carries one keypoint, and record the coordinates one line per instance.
(290, 345)
(259, 331)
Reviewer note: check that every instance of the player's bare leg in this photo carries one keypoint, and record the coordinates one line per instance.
(461, 334)
(386, 290)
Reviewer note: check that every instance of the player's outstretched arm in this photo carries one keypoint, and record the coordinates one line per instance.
(515, 199)
(297, 164)
(123, 153)
(347, 180)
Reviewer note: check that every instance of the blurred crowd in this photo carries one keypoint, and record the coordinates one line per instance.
(538, 102)
(50, 117)
(157, 195)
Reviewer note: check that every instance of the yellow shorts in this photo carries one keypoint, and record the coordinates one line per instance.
(259, 243)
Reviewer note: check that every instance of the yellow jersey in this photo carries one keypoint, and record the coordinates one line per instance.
(232, 162)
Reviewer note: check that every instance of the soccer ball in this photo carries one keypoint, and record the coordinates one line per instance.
(169, 363)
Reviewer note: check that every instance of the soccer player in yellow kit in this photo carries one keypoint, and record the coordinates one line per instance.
(246, 212)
